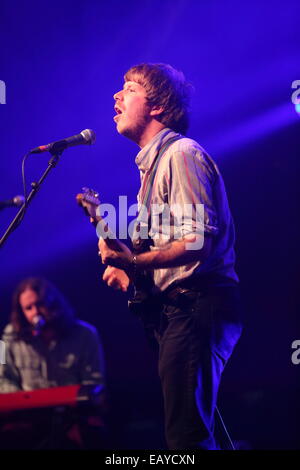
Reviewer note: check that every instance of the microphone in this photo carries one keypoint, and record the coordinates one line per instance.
(38, 323)
(85, 137)
(16, 201)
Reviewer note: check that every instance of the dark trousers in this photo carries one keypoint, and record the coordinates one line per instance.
(197, 333)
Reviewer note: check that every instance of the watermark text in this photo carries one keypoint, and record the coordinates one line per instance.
(161, 223)
(2, 92)
(296, 354)
(296, 94)
(2, 352)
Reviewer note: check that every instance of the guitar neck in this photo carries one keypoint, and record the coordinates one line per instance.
(103, 231)
(90, 203)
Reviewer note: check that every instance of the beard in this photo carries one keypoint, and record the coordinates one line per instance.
(135, 128)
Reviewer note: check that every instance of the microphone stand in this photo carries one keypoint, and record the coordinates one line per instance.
(35, 187)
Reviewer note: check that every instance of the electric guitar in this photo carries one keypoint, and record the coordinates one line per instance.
(142, 303)
(89, 201)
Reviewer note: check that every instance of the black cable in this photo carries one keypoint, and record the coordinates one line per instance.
(24, 184)
(24, 207)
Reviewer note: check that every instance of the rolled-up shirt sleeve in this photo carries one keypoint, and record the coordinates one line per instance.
(191, 178)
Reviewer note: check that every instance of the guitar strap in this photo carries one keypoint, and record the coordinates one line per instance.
(143, 282)
(148, 184)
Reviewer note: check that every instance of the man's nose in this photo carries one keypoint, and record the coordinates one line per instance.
(118, 95)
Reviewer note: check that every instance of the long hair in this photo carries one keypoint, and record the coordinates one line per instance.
(51, 298)
(165, 87)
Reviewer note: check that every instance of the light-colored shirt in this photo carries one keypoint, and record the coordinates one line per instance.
(76, 358)
(189, 179)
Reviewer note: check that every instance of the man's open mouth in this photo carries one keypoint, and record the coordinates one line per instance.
(118, 110)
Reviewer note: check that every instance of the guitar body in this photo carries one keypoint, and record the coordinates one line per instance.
(144, 303)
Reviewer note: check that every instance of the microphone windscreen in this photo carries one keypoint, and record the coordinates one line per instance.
(89, 136)
(19, 200)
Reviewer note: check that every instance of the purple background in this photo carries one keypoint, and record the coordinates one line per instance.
(62, 61)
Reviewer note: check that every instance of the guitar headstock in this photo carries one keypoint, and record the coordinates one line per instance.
(89, 201)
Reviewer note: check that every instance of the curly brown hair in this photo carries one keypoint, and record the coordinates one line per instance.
(50, 297)
(165, 87)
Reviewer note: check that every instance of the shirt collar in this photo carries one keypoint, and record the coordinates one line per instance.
(147, 154)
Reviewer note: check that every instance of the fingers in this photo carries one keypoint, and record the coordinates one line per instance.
(116, 284)
(110, 279)
(105, 276)
(113, 278)
(102, 245)
(105, 253)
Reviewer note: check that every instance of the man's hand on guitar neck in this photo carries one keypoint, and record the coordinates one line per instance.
(115, 253)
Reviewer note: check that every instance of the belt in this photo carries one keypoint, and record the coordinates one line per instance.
(199, 283)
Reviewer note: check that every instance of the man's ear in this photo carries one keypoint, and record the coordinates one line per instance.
(156, 110)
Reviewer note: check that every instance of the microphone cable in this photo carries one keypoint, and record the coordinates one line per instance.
(225, 429)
